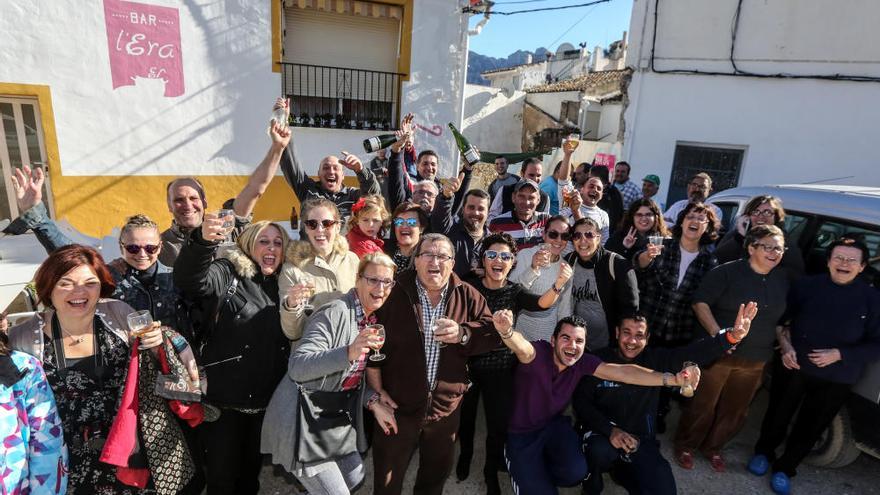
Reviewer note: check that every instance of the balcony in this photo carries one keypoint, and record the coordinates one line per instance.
(341, 98)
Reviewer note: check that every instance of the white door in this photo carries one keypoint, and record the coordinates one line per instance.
(21, 143)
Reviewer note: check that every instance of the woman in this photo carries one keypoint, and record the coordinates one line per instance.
(82, 342)
(492, 373)
(642, 219)
(760, 210)
(367, 224)
(536, 270)
(719, 408)
(35, 457)
(409, 222)
(603, 285)
(244, 349)
(823, 354)
(317, 271)
(332, 357)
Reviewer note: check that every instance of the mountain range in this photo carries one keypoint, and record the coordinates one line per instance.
(481, 63)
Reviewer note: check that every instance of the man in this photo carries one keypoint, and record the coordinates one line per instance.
(612, 199)
(504, 177)
(379, 167)
(698, 190)
(581, 173)
(433, 323)
(628, 189)
(187, 200)
(586, 205)
(550, 187)
(502, 203)
(650, 186)
(467, 230)
(543, 451)
(523, 223)
(617, 418)
(331, 173)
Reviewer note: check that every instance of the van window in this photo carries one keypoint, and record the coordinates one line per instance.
(795, 223)
(829, 231)
(729, 210)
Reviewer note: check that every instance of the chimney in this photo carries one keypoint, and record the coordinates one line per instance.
(528, 58)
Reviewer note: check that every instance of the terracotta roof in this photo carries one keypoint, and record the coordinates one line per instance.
(601, 80)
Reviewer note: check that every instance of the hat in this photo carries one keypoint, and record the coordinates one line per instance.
(526, 182)
(653, 179)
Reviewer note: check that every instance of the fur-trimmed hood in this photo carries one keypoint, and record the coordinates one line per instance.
(300, 253)
(244, 266)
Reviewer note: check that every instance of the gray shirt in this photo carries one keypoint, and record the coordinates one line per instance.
(586, 304)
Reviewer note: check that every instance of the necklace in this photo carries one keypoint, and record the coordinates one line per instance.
(76, 340)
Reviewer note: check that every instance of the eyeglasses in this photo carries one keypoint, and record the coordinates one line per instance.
(442, 258)
(644, 215)
(763, 213)
(584, 235)
(698, 186)
(313, 224)
(770, 249)
(504, 255)
(135, 249)
(696, 218)
(553, 235)
(410, 222)
(843, 260)
(382, 283)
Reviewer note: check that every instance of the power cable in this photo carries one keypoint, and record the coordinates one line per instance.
(469, 10)
(550, 46)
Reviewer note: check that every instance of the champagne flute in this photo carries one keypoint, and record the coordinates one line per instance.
(379, 331)
(308, 282)
(687, 390)
(227, 224)
(139, 323)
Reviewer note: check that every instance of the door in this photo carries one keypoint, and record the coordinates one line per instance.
(21, 143)
(721, 163)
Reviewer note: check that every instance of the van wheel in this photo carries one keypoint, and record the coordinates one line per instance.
(836, 447)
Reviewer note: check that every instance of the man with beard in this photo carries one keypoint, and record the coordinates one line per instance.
(629, 191)
(619, 419)
(698, 190)
(523, 223)
(467, 230)
(543, 450)
(503, 179)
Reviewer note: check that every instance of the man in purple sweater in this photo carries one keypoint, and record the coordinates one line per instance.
(543, 450)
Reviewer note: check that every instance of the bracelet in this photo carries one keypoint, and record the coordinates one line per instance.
(558, 291)
(373, 400)
(666, 379)
(507, 335)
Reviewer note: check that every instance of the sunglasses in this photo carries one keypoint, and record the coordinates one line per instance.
(504, 255)
(553, 235)
(584, 235)
(313, 224)
(135, 249)
(410, 222)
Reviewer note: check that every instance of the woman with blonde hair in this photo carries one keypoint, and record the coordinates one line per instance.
(244, 350)
(369, 219)
(317, 270)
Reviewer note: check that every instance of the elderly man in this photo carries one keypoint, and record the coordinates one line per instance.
(650, 186)
(433, 323)
(502, 203)
(698, 190)
(629, 191)
(523, 223)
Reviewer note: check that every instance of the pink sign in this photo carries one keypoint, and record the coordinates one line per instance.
(605, 160)
(144, 42)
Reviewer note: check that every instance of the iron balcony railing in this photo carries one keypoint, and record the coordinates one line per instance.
(341, 98)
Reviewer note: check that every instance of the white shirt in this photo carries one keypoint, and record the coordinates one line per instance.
(687, 258)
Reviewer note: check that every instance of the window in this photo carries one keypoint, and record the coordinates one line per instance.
(721, 163)
(21, 143)
(569, 112)
(830, 230)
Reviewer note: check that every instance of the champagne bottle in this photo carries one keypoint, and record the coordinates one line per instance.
(379, 142)
(467, 149)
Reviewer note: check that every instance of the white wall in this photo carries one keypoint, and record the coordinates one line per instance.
(609, 122)
(793, 130)
(493, 120)
(552, 102)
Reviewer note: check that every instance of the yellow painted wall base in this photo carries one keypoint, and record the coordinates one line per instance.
(95, 205)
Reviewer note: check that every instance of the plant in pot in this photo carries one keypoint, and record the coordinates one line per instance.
(328, 119)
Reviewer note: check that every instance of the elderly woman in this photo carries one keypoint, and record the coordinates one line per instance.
(823, 354)
(35, 457)
(244, 349)
(718, 410)
(537, 269)
(760, 210)
(317, 271)
(82, 341)
(408, 222)
(642, 219)
(331, 358)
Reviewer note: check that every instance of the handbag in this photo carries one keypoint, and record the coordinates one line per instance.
(325, 424)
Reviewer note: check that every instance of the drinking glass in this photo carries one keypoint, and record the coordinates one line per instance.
(625, 456)
(440, 343)
(656, 240)
(567, 191)
(379, 330)
(308, 282)
(571, 142)
(544, 247)
(228, 225)
(139, 323)
(687, 390)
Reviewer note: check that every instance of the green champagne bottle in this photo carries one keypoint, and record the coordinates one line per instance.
(467, 149)
(379, 142)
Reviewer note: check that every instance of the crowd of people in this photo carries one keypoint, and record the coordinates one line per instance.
(405, 303)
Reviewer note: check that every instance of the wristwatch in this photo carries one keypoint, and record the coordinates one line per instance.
(464, 335)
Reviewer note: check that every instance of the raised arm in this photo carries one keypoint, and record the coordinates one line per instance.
(522, 348)
(260, 179)
(564, 172)
(442, 216)
(367, 180)
(28, 187)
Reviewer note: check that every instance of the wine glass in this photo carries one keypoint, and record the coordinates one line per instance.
(379, 331)
(440, 343)
(308, 282)
(228, 225)
(139, 323)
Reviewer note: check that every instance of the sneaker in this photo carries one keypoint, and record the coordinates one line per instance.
(759, 465)
(685, 459)
(717, 463)
(780, 484)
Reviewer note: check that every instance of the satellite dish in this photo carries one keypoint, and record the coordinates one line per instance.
(564, 48)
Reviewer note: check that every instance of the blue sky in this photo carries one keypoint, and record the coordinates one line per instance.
(505, 34)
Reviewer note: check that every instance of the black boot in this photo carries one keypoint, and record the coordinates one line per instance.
(463, 468)
(492, 485)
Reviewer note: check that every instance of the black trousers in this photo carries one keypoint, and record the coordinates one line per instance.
(232, 453)
(819, 401)
(648, 473)
(495, 384)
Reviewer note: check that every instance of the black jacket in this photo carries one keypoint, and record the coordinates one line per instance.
(601, 404)
(442, 222)
(612, 203)
(245, 353)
